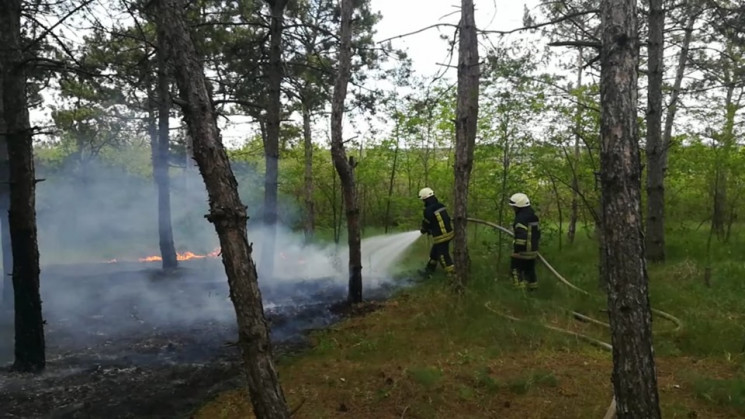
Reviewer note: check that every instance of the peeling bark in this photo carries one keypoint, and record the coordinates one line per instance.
(634, 378)
(227, 212)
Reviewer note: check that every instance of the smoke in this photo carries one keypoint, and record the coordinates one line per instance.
(112, 214)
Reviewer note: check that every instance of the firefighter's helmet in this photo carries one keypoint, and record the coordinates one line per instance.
(519, 200)
(426, 193)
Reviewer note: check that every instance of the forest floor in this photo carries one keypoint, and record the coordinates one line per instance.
(124, 341)
(429, 354)
(424, 353)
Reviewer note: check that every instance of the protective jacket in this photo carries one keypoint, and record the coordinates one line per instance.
(437, 221)
(527, 234)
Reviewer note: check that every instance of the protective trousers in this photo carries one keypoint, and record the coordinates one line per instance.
(440, 253)
(523, 272)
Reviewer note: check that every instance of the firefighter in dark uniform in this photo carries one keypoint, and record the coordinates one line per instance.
(525, 245)
(437, 223)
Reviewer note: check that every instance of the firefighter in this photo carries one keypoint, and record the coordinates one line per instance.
(437, 223)
(525, 244)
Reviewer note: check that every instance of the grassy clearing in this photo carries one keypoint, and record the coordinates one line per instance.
(428, 354)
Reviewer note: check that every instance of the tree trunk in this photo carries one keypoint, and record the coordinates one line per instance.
(679, 74)
(271, 140)
(160, 162)
(655, 237)
(309, 206)
(29, 323)
(227, 212)
(634, 379)
(721, 171)
(466, 117)
(574, 215)
(344, 167)
(392, 177)
(7, 252)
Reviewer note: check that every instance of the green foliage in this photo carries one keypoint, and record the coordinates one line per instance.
(727, 392)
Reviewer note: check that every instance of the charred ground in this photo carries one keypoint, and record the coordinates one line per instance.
(128, 340)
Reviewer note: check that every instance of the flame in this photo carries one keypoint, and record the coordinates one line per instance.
(183, 256)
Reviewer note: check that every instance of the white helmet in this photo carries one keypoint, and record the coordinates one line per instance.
(426, 193)
(519, 200)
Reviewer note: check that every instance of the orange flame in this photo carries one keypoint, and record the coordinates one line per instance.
(183, 256)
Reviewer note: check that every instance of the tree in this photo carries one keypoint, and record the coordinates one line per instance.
(160, 142)
(271, 139)
(634, 379)
(7, 254)
(29, 323)
(227, 212)
(344, 167)
(655, 237)
(466, 120)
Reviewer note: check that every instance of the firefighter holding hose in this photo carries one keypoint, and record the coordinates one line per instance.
(525, 244)
(437, 223)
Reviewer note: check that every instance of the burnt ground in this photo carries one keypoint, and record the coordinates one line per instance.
(126, 340)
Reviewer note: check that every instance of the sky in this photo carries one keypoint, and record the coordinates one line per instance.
(427, 51)
(426, 48)
(399, 17)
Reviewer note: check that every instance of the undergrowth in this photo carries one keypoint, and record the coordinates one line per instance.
(428, 353)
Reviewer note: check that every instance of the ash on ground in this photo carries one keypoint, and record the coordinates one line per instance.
(126, 341)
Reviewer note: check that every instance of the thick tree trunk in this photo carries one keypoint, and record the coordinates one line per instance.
(160, 162)
(7, 252)
(308, 148)
(271, 140)
(29, 323)
(227, 212)
(466, 117)
(574, 208)
(656, 148)
(344, 167)
(634, 378)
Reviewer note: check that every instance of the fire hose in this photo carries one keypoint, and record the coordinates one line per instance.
(611, 412)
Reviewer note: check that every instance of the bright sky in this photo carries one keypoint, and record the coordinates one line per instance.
(426, 48)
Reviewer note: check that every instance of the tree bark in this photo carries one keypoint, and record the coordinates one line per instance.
(271, 140)
(392, 178)
(308, 148)
(466, 118)
(345, 167)
(160, 162)
(673, 106)
(227, 212)
(655, 237)
(634, 379)
(29, 323)
(574, 208)
(7, 252)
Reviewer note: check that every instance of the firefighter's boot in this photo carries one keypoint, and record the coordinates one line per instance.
(450, 272)
(428, 270)
(517, 279)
